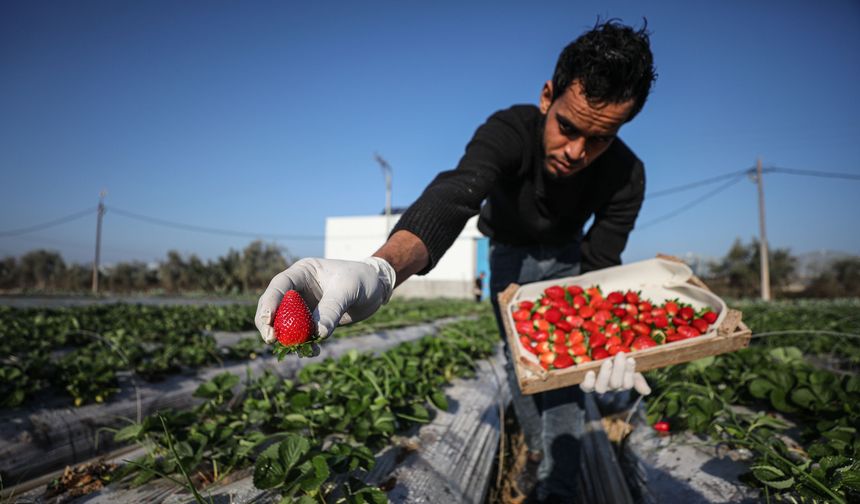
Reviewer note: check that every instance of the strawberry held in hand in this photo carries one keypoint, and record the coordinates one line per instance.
(293, 324)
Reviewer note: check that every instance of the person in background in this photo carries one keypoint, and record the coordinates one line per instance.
(479, 287)
(535, 174)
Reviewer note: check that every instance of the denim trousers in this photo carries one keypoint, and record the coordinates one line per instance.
(553, 422)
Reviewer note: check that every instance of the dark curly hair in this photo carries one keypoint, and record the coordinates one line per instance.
(612, 61)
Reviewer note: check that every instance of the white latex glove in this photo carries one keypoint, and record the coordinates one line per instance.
(616, 374)
(336, 291)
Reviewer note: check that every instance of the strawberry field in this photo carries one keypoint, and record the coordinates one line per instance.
(79, 353)
(789, 403)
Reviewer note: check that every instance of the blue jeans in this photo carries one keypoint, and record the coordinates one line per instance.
(553, 422)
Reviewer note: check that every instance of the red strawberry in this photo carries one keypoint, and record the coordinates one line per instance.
(599, 353)
(562, 361)
(661, 426)
(554, 292)
(660, 321)
(597, 340)
(293, 324)
(686, 313)
(615, 297)
(526, 305)
(688, 331)
(632, 297)
(552, 315)
(520, 315)
(710, 317)
(574, 290)
(643, 342)
(586, 312)
(671, 307)
(525, 327)
(700, 324)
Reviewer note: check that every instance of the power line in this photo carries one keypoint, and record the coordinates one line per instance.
(691, 185)
(738, 178)
(45, 225)
(812, 173)
(204, 229)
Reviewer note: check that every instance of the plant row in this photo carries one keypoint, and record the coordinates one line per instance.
(799, 422)
(308, 438)
(81, 351)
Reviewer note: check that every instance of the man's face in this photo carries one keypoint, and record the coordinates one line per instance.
(577, 132)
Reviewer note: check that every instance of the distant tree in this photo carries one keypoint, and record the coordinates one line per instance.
(172, 272)
(738, 273)
(78, 278)
(132, 276)
(841, 279)
(41, 269)
(225, 273)
(8, 273)
(260, 262)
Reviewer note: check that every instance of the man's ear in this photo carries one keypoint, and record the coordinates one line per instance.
(546, 97)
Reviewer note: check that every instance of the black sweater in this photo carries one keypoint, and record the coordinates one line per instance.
(504, 164)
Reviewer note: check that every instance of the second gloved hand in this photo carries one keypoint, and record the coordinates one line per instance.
(618, 373)
(336, 291)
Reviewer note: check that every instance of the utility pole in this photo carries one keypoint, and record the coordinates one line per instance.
(765, 264)
(101, 213)
(386, 170)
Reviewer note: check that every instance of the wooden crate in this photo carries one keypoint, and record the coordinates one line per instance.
(731, 335)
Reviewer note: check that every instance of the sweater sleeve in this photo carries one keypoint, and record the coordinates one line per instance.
(607, 237)
(454, 196)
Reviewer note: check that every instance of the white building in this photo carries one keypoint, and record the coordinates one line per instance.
(454, 275)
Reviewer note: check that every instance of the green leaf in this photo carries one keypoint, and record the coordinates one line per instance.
(804, 397)
(439, 400)
(128, 433)
(269, 472)
(292, 449)
(700, 365)
(772, 477)
(778, 399)
(760, 388)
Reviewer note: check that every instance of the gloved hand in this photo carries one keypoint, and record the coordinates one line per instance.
(616, 374)
(336, 291)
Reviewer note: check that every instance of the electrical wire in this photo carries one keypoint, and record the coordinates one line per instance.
(812, 173)
(204, 229)
(738, 178)
(691, 185)
(45, 225)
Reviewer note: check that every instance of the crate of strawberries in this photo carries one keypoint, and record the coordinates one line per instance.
(656, 311)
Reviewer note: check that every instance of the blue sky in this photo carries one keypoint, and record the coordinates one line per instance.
(264, 116)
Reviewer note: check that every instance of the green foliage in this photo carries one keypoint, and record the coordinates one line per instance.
(787, 400)
(311, 437)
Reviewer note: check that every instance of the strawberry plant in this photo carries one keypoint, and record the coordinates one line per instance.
(78, 351)
(788, 401)
(307, 438)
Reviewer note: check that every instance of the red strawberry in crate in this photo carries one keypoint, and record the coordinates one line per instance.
(710, 317)
(293, 323)
(562, 361)
(643, 342)
(700, 324)
(599, 353)
(554, 292)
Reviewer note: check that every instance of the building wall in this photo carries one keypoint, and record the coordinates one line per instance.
(453, 277)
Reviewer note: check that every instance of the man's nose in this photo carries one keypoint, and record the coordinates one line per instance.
(575, 149)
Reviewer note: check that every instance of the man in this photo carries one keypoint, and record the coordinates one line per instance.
(479, 287)
(541, 173)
